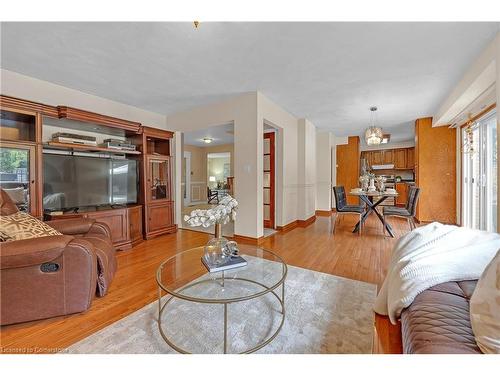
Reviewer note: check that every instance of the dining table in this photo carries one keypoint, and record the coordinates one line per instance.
(373, 199)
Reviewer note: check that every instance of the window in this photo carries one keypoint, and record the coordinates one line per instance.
(479, 176)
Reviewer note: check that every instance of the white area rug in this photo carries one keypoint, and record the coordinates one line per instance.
(324, 314)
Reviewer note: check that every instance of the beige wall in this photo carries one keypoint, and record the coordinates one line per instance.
(223, 148)
(248, 112)
(25, 87)
(198, 163)
(242, 112)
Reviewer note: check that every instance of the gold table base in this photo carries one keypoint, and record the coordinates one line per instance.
(227, 302)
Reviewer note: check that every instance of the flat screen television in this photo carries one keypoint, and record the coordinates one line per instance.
(81, 181)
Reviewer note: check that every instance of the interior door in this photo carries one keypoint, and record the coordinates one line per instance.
(269, 183)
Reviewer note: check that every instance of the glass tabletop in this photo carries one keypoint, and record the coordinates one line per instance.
(184, 276)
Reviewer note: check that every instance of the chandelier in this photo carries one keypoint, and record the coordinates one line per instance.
(373, 134)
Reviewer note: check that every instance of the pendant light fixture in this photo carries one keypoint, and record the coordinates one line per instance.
(373, 134)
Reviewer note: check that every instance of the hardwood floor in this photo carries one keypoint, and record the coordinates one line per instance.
(314, 247)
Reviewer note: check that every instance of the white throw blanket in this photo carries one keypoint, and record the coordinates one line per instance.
(431, 255)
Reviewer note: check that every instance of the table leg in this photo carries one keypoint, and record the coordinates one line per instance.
(371, 207)
(225, 328)
(365, 215)
(381, 218)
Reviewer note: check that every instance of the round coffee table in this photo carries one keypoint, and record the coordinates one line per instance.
(183, 276)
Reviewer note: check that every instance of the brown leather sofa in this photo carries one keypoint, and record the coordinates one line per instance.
(54, 275)
(438, 321)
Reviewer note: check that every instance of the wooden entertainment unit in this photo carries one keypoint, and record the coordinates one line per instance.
(22, 129)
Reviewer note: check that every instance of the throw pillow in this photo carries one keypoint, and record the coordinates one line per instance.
(21, 226)
(485, 308)
(4, 237)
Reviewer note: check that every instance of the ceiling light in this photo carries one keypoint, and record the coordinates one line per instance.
(386, 138)
(207, 140)
(373, 134)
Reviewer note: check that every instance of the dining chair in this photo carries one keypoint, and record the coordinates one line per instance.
(212, 195)
(343, 208)
(408, 211)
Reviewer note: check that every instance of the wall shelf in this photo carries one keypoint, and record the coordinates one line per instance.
(76, 147)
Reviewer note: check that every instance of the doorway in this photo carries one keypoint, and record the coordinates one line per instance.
(269, 179)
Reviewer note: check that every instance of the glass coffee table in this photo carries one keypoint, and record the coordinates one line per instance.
(184, 277)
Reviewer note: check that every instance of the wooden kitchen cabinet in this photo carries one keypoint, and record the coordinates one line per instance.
(377, 157)
(410, 158)
(402, 190)
(388, 157)
(400, 156)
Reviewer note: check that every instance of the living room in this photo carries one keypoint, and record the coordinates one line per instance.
(193, 186)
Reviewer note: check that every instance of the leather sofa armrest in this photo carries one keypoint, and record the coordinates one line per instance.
(72, 226)
(32, 251)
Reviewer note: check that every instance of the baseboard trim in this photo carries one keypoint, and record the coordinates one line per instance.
(248, 240)
(307, 222)
(323, 213)
(292, 225)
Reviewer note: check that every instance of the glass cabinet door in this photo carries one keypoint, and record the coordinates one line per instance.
(17, 174)
(158, 182)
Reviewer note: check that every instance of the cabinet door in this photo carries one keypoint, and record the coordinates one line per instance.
(18, 175)
(117, 222)
(159, 216)
(402, 190)
(158, 179)
(400, 158)
(388, 157)
(369, 158)
(410, 158)
(378, 157)
(135, 223)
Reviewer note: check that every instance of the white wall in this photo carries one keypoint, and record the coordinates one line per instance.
(470, 92)
(24, 87)
(306, 188)
(286, 158)
(324, 145)
(497, 61)
(335, 142)
(476, 80)
(248, 140)
(295, 154)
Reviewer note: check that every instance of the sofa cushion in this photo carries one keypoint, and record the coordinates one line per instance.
(485, 308)
(438, 321)
(21, 226)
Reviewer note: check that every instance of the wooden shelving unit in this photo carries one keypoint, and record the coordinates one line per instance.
(22, 127)
(76, 147)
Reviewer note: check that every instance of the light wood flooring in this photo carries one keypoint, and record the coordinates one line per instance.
(314, 247)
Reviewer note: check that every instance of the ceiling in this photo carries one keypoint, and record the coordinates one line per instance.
(330, 73)
(220, 135)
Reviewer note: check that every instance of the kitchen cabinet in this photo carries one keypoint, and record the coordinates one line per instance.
(402, 190)
(410, 158)
(388, 157)
(400, 158)
(377, 157)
